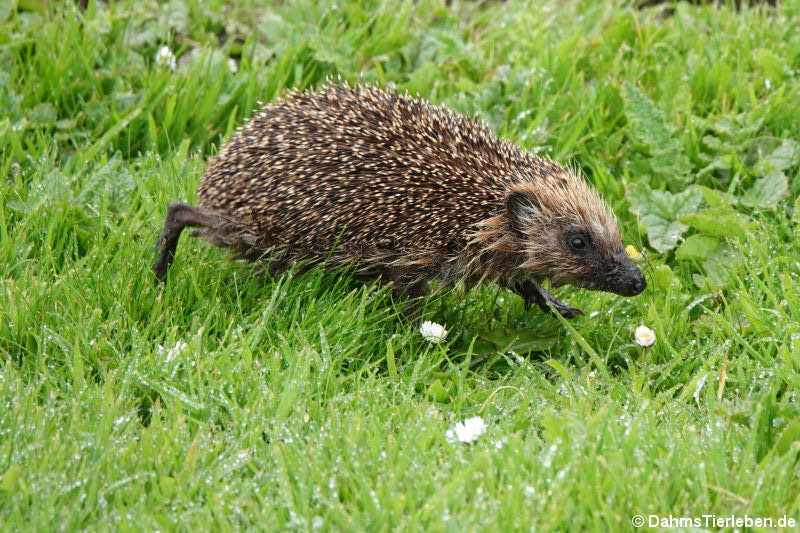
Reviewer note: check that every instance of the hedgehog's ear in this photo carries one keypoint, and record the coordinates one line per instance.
(522, 209)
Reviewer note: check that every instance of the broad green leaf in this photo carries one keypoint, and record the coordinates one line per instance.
(719, 222)
(717, 144)
(659, 213)
(729, 138)
(713, 197)
(720, 162)
(649, 128)
(718, 264)
(697, 247)
(663, 278)
(766, 192)
(786, 155)
(647, 121)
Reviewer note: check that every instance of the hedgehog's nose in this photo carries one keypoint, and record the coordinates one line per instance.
(638, 284)
(628, 279)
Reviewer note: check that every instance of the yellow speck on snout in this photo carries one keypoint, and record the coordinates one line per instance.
(633, 253)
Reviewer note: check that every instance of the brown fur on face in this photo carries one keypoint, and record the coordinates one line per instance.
(549, 215)
(532, 238)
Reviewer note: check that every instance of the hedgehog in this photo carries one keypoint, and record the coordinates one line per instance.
(406, 192)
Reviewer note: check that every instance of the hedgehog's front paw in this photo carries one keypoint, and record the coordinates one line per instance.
(564, 310)
(534, 294)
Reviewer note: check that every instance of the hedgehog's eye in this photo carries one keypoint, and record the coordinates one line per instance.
(578, 243)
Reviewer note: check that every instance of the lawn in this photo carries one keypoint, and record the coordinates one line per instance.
(231, 398)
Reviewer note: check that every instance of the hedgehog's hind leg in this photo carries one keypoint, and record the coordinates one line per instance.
(179, 215)
(534, 294)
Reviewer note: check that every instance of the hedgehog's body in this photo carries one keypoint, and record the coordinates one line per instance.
(403, 190)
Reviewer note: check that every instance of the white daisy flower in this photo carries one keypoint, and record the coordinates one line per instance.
(432, 331)
(467, 431)
(165, 58)
(645, 336)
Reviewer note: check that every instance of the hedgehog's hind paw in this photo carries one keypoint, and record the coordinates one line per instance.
(164, 257)
(179, 215)
(534, 294)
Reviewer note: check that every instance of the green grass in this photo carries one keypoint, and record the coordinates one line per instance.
(307, 401)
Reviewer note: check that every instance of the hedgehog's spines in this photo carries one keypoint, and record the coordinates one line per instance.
(416, 191)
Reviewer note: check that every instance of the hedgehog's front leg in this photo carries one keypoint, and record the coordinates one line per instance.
(179, 215)
(533, 293)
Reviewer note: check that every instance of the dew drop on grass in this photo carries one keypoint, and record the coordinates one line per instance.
(547, 460)
(120, 421)
(698, 388)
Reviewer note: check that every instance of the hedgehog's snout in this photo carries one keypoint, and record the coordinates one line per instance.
(634, 284)
(624, 278)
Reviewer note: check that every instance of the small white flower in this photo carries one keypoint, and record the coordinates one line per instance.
(432, 331)
(173, 352)
(165, 58)
(467, 431)
(645, 336)
(530, 491)
(232, 66)
(767, 84)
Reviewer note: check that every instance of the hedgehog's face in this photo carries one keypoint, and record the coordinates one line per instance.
(572, 240)
(593, 264)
